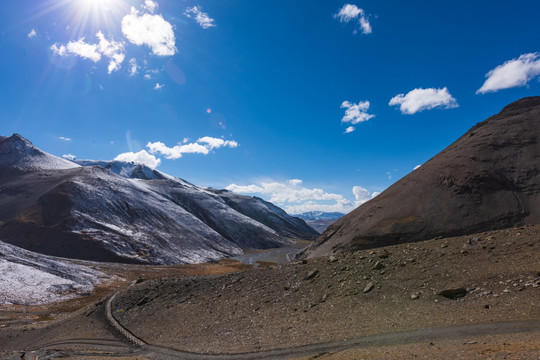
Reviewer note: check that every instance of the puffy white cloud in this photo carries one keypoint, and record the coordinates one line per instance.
(513, 73)
(421, 99)
(69, 156)
(297, 199)
(64, 138)
(150, 30)
(215, 143)
(32, 33)
(80, 48)
(362, 195)
(150, 5)
(295, 181)
(350, 129)
(114, 50)
(350, 12)
(200, 17)
(147, 76)
(355, 113)
(416, 167)
(202, 146)
(246, 189)
(158, 86)
(141, 157)
(133, 67)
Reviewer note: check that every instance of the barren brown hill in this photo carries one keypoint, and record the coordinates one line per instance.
(488, 179)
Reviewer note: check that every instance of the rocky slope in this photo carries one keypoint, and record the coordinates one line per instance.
(431, 284)
(29, 278)
(488, 179)
(111, 211)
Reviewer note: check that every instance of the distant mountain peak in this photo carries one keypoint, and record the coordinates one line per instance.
(18, 153)
(126, 169)
(17, 143)
(319, 215)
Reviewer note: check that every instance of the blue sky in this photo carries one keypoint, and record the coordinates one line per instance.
(312, 105)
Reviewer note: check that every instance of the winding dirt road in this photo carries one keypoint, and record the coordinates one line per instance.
(135, 347)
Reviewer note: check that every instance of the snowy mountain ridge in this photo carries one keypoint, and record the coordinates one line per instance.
(17, 153)
(124, 212)
(29, 278)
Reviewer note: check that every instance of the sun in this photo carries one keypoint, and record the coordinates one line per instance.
(100, 14)
(97, 5)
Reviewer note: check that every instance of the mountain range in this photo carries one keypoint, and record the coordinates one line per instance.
(125, 212)
(320, 220)
(487, 179)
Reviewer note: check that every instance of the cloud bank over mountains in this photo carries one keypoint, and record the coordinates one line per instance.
(296, 199)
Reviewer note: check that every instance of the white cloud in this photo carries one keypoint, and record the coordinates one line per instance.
(362, 195)
(339, 206)
(295, 181)
(114, 50)
(80, 48)
(215, 143)
(150, 30)
(416, 167)
(287, 192)
(355, 113)
(513, 73)
(69, 157)
(133, 67)
(200, 17)
(246, 189)
(297, 199)
(64, 138)
(350, 129)
(141, 157)
(350, 12)
(32, 33)
(158, 86)
(202, 146)
(147, 76)
(421, 99)
(150, 5)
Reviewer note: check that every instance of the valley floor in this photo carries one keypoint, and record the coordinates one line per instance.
(392, 290)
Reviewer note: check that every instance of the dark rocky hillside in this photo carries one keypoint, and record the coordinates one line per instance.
(487, 179)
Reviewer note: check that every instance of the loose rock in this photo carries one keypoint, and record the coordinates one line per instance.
(369, 287)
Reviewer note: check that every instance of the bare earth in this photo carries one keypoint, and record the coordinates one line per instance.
(320, 301)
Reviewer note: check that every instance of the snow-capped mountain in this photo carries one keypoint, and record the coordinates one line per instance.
(126, 169)
(320, 220)
(18, 154)
(115, 211)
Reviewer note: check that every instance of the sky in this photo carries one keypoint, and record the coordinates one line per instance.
(313, 105)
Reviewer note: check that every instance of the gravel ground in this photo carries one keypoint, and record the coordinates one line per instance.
(384, 290)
